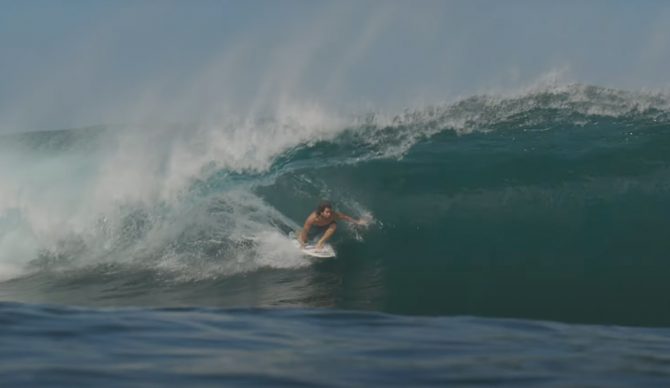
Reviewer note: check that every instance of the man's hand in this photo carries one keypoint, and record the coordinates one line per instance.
(362, 222)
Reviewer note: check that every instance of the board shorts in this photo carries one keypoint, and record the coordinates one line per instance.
(317, 231)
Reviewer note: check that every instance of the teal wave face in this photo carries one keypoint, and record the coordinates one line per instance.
(542, 217)
(550, 205)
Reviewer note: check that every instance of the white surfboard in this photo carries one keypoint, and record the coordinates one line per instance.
(311, 250)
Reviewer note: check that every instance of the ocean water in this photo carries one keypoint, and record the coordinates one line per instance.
(518, 240)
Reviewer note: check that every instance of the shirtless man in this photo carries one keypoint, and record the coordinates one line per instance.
(323, 220)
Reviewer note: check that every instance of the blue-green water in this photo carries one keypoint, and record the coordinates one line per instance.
(296, 347)
(517, 240)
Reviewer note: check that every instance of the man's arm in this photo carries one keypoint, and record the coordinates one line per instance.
(305, 229)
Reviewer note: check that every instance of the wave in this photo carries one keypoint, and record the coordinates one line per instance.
(555, 178)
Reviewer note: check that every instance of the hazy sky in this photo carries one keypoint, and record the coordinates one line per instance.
(75, 63)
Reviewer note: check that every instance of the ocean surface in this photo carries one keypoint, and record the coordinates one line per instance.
(516, 240)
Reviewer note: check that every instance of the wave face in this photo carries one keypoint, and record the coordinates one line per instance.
(550, 205)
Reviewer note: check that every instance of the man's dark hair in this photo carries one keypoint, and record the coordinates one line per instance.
(323, 205)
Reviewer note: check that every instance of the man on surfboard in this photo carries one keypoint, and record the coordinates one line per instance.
(322, 220)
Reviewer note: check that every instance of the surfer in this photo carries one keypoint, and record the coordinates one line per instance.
(323, 220)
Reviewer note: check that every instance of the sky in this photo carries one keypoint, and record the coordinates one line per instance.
(74, 63)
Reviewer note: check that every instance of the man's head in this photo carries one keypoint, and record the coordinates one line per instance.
(325, 209)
